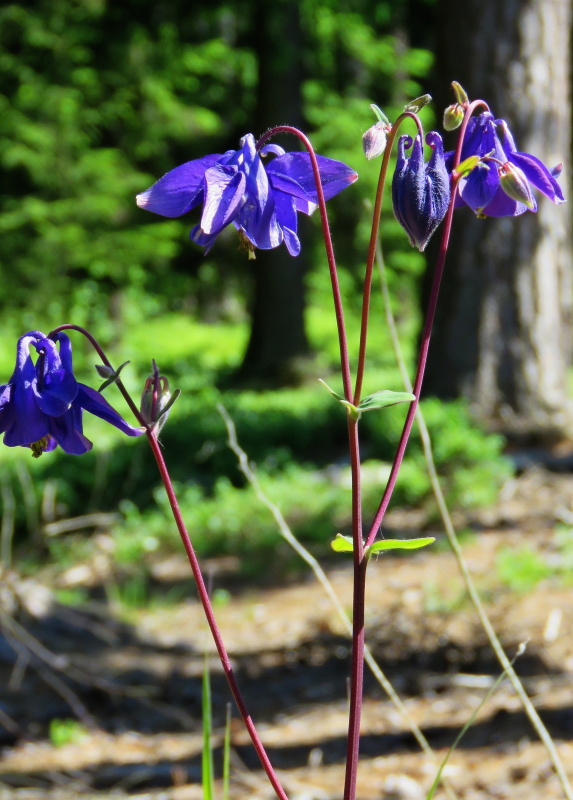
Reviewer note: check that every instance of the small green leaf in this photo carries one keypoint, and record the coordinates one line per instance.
(418, 104)
(467, 165)
(380, 115)
(399, 544)
(384, 399)
(342, 544)
(351, 409)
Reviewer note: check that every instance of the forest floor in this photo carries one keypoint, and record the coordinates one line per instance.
(135, 682)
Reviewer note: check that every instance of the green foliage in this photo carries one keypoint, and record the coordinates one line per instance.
(95, 103)
(66, 731)
(521, 569)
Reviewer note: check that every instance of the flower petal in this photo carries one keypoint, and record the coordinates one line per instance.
(224, 195)
(538, 175)
(97, 405)
(58, 392)
(23, 422)
(179, 190)
(285, 209)
(504, 206)
(477, 190)
(68, 436)
(292, 174)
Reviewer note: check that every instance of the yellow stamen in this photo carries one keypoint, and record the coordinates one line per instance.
(246, 244)
(39, 447)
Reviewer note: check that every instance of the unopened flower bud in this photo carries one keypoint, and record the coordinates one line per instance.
(104, 371)
(420, 192)
(110, 374)
(374, 140)
(556, 171)
(453, 117)
(156, 400)
(515, 185)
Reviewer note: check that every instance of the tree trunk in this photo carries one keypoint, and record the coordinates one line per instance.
(503, 333)
(278, 337)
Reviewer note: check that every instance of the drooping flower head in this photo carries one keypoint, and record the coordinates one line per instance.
(420, 192)
(258, 195)
(41, 406)
(500, 184)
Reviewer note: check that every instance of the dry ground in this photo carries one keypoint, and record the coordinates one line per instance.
(137, 683)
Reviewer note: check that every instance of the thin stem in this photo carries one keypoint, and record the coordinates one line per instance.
(422, 359)
(496, 645)
(358, 604)
(95, 344)
(196, 570)
(371, 257)
(338, 310)
(359, 564)
(426, 331)
(211, 621)
(322, 578)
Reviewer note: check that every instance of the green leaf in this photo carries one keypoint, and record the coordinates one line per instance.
(467, 165)
(342, 544)
(399, 544)
(384, 399)
(345, 544)
(351, 409)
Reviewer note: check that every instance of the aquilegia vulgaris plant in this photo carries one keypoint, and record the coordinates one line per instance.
(259, 189)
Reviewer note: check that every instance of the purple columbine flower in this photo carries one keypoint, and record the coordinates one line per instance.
(483, 188)
(41, 406)
(259, 196)
(420, 192)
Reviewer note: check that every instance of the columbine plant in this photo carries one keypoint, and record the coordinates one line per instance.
(259, 189)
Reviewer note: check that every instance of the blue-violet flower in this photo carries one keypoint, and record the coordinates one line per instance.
(259, 196)
(41, 406)
(484, 188)
(420, 192)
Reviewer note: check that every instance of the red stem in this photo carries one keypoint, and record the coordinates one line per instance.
(338, 310)
(371, 258)
(195, 568)
(211, 621)
(426, 331)
(356, 686)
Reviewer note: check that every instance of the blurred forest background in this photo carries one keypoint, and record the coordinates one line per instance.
(99, 99)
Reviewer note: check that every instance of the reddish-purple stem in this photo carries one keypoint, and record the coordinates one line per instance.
(342, 340)
(196, 569)
(371, 258)
(356, 685)
(426, 331)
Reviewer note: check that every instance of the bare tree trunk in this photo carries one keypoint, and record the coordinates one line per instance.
(503, 334)
(278, 337)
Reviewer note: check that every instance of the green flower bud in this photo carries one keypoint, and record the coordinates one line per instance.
(453, 117)
(515, 185)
